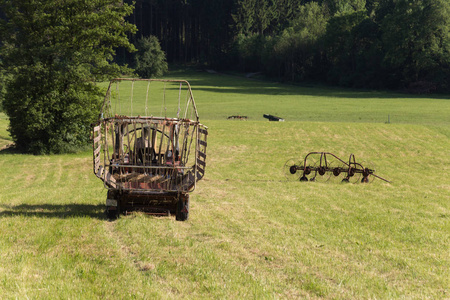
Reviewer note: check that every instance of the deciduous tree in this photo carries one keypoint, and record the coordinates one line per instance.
(55, 52)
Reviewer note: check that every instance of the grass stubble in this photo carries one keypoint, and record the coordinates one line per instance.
(251, 233)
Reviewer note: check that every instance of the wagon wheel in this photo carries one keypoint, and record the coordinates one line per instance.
(336, 169)
(318, 171)
(112, 214)
(292, 170)
(322, 174)
(354, 175)
(182, 212)
(368, 170)
(307, 173)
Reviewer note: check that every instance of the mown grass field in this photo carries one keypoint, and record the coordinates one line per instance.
(251, 233)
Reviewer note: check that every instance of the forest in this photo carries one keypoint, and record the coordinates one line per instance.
(378, 44)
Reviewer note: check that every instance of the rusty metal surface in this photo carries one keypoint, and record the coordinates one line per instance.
(155, 204)
(149, 162)
(325, 166)
(150, 154)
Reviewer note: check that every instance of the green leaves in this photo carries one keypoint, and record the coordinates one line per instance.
(55, 51)
(150, 59)
(416, 38)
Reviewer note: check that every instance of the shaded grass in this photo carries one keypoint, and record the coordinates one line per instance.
(251, 233)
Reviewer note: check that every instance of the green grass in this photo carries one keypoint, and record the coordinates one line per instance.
(251, 234)
(5, 139)
(219, 96)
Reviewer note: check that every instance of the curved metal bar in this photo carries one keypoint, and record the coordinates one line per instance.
(190, 100)
(351, 167)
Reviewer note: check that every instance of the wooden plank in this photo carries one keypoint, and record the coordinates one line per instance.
(203, 143)
(97, 150)
(201, 171)
(189, 179)
(97, 138)
(201, 163)
(97, 128)
(100, 172)
(109, 177)
(97, 162)
(203, 131)
(201, 154)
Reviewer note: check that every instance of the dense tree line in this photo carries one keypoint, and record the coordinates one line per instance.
(358, 43)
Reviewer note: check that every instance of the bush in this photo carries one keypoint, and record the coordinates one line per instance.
(150, 59)
(47, 116)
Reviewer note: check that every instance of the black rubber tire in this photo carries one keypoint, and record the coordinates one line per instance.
(112, 214)
(182, 213)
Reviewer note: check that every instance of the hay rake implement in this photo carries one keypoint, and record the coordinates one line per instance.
(325, 166)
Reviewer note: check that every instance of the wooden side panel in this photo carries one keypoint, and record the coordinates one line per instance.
(201, 151)
(97, 146)
(99, 169)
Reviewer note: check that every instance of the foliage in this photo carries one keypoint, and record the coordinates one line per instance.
(244, 16)
(250, 49)
(341, 46)
(416, 38)
(55, 52)
(297, 44)
(150, 59)
(357, 43)
(343, 7)
(190, 31)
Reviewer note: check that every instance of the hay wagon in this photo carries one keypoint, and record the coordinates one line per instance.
(149, 163)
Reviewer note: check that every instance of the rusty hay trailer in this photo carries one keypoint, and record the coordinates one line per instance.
(149, 163)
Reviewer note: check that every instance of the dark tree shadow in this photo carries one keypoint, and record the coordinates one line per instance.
(242, 85)
(9, 149)
(61, 211)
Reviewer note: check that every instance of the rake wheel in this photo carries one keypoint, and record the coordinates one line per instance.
(321, 173)
(309, 169)
(368, 170)
(292, 170)
(353, 174)
(336, 170)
